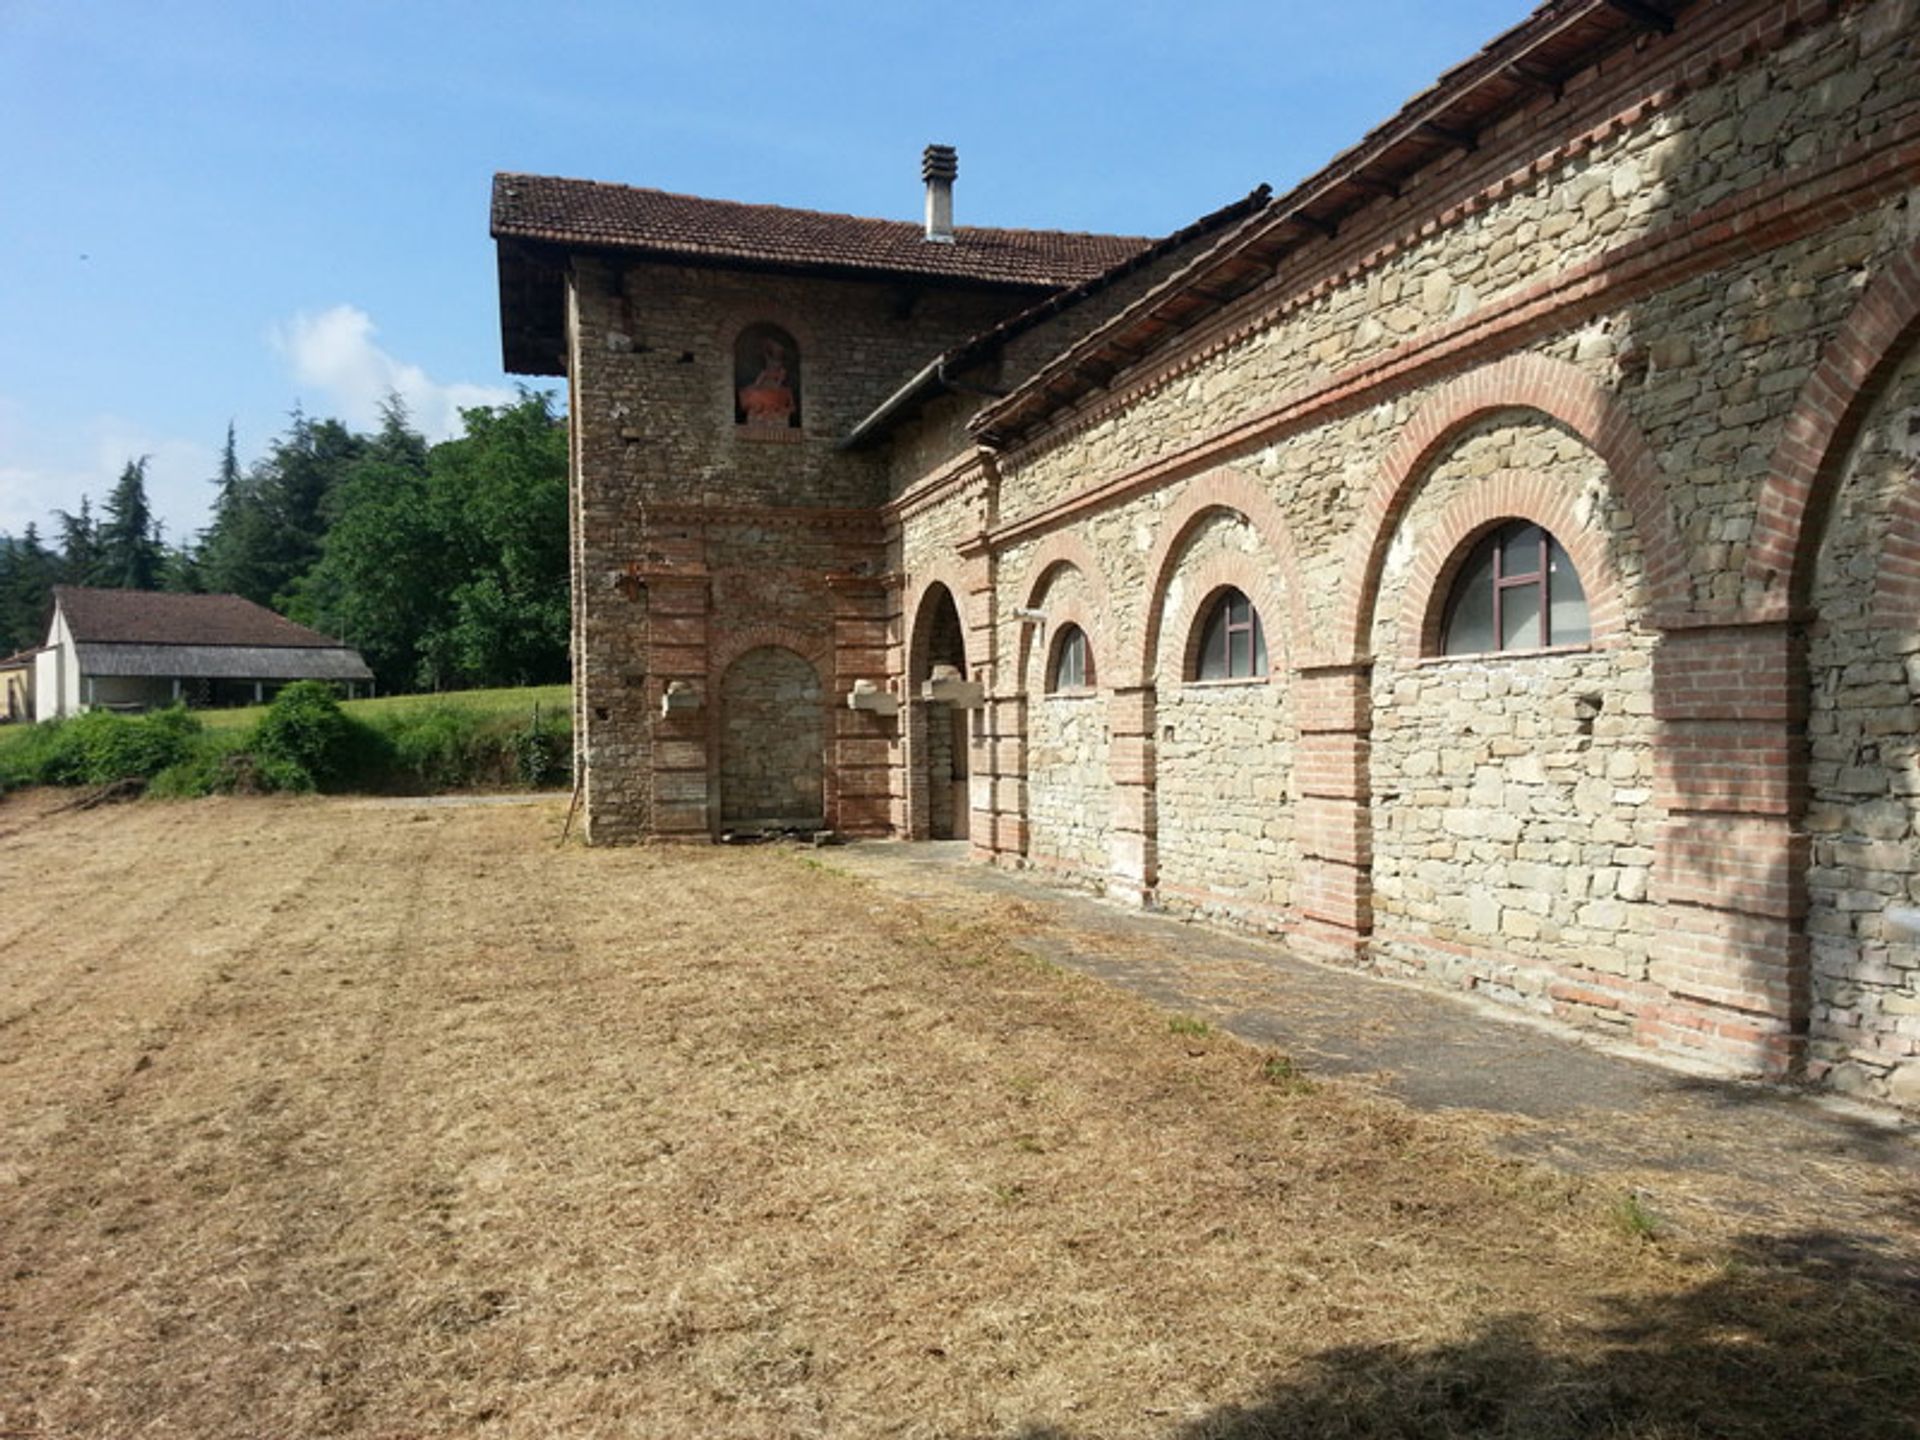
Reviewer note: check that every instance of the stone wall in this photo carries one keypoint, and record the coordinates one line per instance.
(1068, 787)
(1668, 313)
(1615, 317)
(1223, 748)
(1513, 818)
(1864, 764)
(771, 739)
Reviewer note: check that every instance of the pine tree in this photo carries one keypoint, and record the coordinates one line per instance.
(79, 546)
(128, 539)
(27, 572)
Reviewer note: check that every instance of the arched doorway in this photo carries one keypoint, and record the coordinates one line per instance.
(939, 729)
(771, 742)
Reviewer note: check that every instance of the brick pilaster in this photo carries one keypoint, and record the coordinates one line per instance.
(1134, 868)
(1731, 864)
(1003, 834)
(678, 608)
(1334, 820)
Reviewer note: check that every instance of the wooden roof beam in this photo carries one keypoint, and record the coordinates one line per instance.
(1459, 139)
(1374, 186)
(1647, 16)
(1534, 78)
(1324, 228)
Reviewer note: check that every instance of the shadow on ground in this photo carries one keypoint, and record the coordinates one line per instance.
(1802, 1335)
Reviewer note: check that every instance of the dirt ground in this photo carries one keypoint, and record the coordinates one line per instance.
(350, 1119)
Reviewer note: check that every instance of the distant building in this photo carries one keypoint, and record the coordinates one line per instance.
(16, 686)
(139, 649)
(1495, 561)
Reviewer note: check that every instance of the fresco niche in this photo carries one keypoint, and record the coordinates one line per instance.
(766, 379)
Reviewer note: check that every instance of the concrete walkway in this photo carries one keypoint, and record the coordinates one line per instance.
(1705, 1154)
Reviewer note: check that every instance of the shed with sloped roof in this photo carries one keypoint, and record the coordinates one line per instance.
(139, 649)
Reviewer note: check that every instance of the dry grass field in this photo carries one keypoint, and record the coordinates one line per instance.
(336, 1118)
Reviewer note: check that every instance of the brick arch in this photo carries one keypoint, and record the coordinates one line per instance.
(1205, 583)
(1228, 491)
(1557, 390)
(919, 617)
(813, 649)
(1062, 549)
(1067, 612)
(1470, 515)
(1052, 555)
(1871, 343)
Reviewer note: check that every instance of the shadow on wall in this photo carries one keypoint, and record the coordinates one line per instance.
(1806, 1335)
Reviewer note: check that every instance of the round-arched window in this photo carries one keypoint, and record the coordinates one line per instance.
(1072, 661)
(1516, 590)
(1232, 644)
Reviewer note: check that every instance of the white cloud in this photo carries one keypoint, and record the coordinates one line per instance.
(335, 352)
(49, 469)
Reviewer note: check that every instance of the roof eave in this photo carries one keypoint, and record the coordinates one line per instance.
(1316, 207)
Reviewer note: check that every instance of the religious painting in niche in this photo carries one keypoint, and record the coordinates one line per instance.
(766, 379)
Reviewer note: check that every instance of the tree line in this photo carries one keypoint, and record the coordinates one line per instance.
(445, 565)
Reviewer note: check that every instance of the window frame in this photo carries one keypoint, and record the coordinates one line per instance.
(1220, 606)
(1064, 639)
(1461, 579)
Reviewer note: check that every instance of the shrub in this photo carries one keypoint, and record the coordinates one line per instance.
(543, 752)
(305, 741)
(100, 747)
(438, 745)
(216, 765)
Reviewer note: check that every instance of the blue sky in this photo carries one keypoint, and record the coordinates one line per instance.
(214, 212)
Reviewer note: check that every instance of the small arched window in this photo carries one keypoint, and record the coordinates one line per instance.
(1072, 661)
(1232, 644)
(766, 379)
(1516, 590)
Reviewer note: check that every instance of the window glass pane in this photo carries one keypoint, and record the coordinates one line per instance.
(1213, 645)
(1239, 653)
(1520, 550)
(1470, 611)
(1070, 670)
(1259, 646)
(1519, 617)
(1567, 601)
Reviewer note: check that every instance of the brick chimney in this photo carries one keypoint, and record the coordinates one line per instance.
(940, 167)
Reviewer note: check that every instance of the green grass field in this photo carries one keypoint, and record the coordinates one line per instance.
(552, 700)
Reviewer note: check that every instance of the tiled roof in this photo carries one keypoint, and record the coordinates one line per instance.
(148, 617)
(590, 214)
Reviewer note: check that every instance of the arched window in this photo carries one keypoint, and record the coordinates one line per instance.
(1517, 590)
(766, 379)
(1072, 661)
(1232, 645)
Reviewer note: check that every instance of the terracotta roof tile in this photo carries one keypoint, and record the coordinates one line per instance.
(148, 617)
(588, 213)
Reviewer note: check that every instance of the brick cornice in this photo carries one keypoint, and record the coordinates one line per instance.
(792, 517)
(1758, 220)
(973, 467)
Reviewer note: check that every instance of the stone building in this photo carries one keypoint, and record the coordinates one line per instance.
(1495, 561)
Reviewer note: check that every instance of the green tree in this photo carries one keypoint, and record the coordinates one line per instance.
(79, 546)
(27, 574)
(501, 494)
(385, 572)
(269, 524)
(128, 539)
